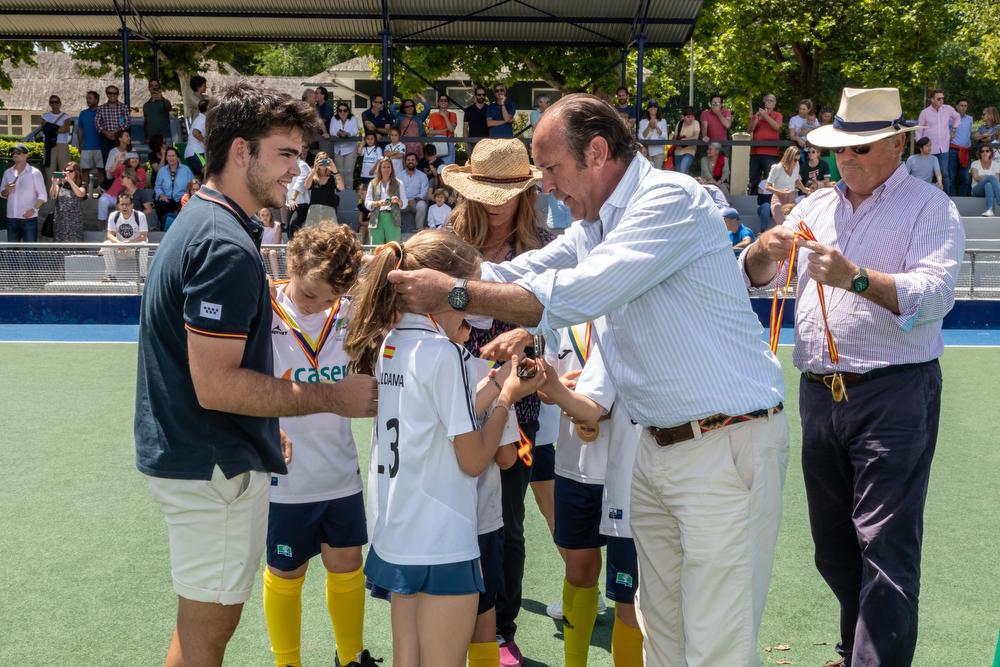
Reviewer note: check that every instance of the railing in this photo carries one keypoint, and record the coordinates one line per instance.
(98, 268)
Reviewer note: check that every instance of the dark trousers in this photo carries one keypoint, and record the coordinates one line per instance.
(760, 166)
(106, 146)
(866, 463)
(514, 485)
(164, 208)
(297, 219)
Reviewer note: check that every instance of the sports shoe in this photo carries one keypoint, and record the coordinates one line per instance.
(364, 660)
(510, 654)
(555, 609)
(988, 213)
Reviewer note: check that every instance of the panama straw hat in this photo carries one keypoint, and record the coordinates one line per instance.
(497, 172)
(865, 116)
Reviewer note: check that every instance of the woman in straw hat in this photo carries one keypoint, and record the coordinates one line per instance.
(497, 215)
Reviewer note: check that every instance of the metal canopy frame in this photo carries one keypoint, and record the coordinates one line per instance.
(593, 23)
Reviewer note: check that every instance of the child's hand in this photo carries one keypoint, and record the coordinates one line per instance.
(569, 379)
(515, 388)
(550, 387)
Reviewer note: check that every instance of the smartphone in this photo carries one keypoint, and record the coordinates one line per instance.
(534, 351)
(58, 174)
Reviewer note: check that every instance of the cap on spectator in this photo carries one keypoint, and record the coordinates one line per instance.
(131, 154)
(20, 148)
(652, 104)
(730, 213)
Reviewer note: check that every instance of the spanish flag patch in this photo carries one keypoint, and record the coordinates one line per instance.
(388, 352)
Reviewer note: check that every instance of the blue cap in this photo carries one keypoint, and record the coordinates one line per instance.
(730, 213)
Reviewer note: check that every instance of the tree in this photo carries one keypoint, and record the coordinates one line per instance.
(13, 54)
(299, 59)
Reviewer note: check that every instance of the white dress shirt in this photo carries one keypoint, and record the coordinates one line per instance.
(28, 191)
(679, 339)
(415, 184)
(298, 184)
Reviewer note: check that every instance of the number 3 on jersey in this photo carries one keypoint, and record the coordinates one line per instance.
(392, 425)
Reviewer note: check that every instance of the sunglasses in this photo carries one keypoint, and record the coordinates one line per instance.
(54, 102)
(498, 90)
(480, 94)
(111, 94)
(376, 101)
(857, 150)
(342, 109)
(409, 106)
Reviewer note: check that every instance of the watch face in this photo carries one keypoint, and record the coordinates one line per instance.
(860, 284)
(458, 298)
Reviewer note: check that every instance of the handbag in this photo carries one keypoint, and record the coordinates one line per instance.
(48, 224)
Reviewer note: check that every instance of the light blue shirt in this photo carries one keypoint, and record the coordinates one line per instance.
(172, 187)
(679, 337)
(414, 184)
(963, 132)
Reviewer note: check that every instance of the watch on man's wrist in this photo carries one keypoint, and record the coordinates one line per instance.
(458, 297)
(859, 283)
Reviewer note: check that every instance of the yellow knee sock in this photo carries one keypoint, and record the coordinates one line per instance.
(283, 612)
(486, 654)
(580, 612)
(345, 600)
(626, 645)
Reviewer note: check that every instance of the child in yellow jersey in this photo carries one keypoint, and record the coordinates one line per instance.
(317, 508)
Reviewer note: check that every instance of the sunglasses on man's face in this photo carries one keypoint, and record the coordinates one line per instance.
(857, 150)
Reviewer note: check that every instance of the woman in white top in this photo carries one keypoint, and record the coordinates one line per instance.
(654, 127)
(384, 199)
(344, 134)
(687, 129)
(427, 451)
(781, 183)
(984, 173)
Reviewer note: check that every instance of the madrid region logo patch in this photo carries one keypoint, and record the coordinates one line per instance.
(284, 550)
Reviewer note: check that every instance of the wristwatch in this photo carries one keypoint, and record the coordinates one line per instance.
(458, 297)
(859, 283)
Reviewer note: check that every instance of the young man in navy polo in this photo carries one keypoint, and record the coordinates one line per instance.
(207, 403)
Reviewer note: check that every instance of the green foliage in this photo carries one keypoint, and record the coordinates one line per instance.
(299, 59)
(13, 53)
(36, 150)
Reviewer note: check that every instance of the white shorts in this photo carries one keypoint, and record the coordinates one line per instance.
(217, 531)
(91, 159)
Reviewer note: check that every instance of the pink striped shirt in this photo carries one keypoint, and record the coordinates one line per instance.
(908, 229)
(937, 125)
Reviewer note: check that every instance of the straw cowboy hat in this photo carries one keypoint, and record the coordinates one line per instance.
(497, 172)
(865, 116)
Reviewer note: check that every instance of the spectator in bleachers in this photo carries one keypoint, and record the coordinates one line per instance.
(116, 157)
(194, 151)
(430, 163)
(24, 189)
(156, 112)
(193, 186)
(989, 129)
(199, 86)
(826, 116)
(475, 116)
(378, 120)
(111, 118)
(541, 104)
(297, 203)
(384, 199)
(364, 214)
(157, 155)
(984, 172)
(411, 122)
(57, 133)
(654, 127)
(438, 214)
(325, 111)
(799, 126)
(69, 195)
(370, 153)
(814, 173)
(925, 165)
(763, 205)
(782, 183)
(716, 120)
(624, 109)
(127, 168)
(343, 130)
(271, 236)
(765, 125)
(500, 114)
(715, 168)
(740, 236)
(442, 123)
(960, 149)
(415, 184)
(171, 185)
(688, 128)
(88, 139)
(323, 182)
(395, 150)
(938, 122)
(125, 226)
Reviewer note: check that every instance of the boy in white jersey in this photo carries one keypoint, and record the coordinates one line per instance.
(427, 452)
(317, 508)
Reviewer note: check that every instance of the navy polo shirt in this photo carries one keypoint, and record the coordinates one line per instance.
(505, 131)
(382, 120)
(207, 278)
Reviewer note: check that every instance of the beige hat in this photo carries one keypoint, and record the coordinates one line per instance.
(865, 116)
(497, 172)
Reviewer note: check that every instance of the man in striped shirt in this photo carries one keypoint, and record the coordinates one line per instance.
(650, 257)
(887, 252)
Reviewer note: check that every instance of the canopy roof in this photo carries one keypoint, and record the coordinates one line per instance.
(608, 23)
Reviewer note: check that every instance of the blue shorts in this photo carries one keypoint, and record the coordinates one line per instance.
(622, 570)
(296, 531)
(491, 559)
(543, 467)
(578, 514)
(463, 578)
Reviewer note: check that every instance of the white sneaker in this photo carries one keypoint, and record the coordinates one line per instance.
(988, 213)
(555, 610)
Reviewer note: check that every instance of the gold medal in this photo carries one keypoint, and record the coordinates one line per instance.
(588, 432)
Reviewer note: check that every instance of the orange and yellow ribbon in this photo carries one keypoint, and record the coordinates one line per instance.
(310, 347)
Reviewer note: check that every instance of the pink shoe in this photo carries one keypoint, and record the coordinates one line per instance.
(510, 655)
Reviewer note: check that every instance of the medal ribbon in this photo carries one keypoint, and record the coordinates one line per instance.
(581, 347)
(836, 383)
(524, 448)
(310, 347)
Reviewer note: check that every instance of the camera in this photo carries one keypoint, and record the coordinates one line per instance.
(325, 162)
(535, 351)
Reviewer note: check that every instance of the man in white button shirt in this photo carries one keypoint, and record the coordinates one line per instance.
(24, 189)
(415, 183)
(650, 254)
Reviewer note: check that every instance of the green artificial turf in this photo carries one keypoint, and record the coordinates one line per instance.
(84, 553)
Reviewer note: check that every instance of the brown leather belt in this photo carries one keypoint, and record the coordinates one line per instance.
(671, 435)
(851, 379)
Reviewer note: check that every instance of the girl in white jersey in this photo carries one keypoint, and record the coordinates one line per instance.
(427, 452)
(317, 508)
